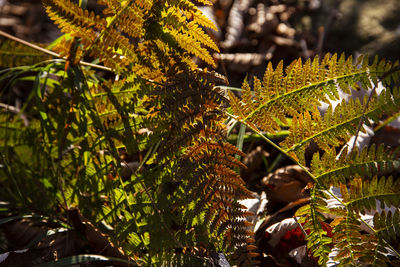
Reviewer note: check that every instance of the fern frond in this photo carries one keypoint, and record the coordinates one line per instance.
(213, 185)
(196, 32)
(204, 2)
(356, 248)
(352, 245)
(193, 46)
(312, 218)
(113, 48)
(185, 193)
(192, 135)
(74, 20)
(14, 54)
(303, 86)
(201, 19)
(192, 12)
(364, 195)
(131, 22)
(329, 170)
(387, 224)
(336, 127)
(145, 4)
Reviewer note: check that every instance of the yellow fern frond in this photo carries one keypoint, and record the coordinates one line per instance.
(197, 33)
(145, 4)
(73, 19)
(131, 22)
(199, 18)
(192, 46)
(204, 2)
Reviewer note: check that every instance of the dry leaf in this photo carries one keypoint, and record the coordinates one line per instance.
(254, 162)
(286, 184)
(97, 240)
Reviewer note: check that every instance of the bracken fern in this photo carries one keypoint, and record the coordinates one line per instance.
(295, 93)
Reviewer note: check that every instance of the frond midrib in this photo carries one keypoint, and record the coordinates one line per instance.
(113, 93)
(352, 166)
(308, 139)
(335, 126)
(373, 196)
(304, 88)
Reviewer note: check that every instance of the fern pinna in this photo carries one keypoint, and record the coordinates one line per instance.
(184, 195)
(295, 93)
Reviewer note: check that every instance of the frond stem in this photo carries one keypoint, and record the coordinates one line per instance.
(285, 152)
(392, 248)
(271, 143)
(49, 52)
(375, 232)
(296, 91)
(387, 121)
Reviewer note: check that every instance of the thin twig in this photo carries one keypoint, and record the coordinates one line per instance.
(300, 226)
(49, 52)
(10, 108)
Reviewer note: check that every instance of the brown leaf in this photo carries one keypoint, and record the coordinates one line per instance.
(21, 233)
(254, 163)
(286, 184)
(29, 244)
(263, 238)
(97, 240)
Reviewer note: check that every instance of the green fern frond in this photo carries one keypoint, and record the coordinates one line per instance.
(387, 224)
(336, 127)
(355, 248)
(312, 218)
(330, 170)
(303, 86)
(295, 93)
(363, 195)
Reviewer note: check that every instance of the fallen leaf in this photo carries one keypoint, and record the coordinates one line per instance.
(286, 184)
